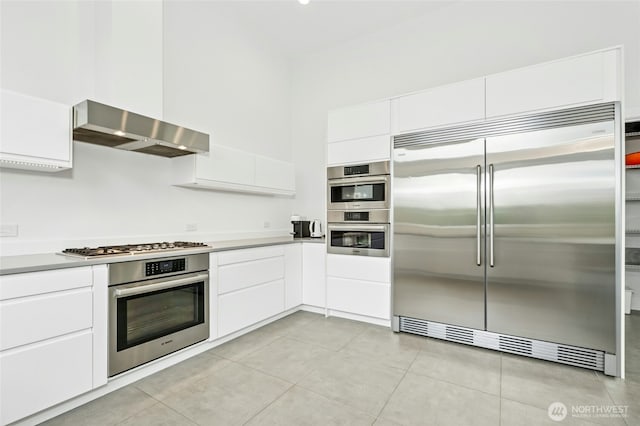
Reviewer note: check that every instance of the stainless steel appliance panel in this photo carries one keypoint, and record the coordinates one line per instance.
(359, 170)
(358, 239)
(361, 216)
(134, 270)
(551, 235)
(438, 247)
(371, 192)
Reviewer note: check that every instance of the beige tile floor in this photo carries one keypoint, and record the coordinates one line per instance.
(309, 370)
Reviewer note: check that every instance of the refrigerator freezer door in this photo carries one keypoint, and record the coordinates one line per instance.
(553, 246)
(438, 226)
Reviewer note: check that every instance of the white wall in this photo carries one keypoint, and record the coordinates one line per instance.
(222, 77)
(216, 78)
(460, 41)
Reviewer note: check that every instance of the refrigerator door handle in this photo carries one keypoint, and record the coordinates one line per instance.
(478, 215)
(491, 221)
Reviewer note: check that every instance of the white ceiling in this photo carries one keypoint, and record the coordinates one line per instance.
(297, 29)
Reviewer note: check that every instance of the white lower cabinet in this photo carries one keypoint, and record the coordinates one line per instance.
(293, 276)
(248, 306)
(313, 275)
(359, 285)
(250, 285)
(38, 376)
(48, 339)
(367, 298)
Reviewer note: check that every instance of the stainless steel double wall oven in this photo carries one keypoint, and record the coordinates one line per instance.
(358, 200)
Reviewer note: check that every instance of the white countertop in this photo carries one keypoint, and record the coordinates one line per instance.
(46, 261)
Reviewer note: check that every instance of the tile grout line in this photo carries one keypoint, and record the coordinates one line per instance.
(287, 390)
(398, 384)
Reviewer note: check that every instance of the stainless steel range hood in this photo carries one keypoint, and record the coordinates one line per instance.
(105, 125)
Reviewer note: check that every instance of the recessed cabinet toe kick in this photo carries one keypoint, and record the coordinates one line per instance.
(505, 235)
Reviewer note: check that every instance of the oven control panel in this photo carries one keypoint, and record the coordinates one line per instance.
(165, 267)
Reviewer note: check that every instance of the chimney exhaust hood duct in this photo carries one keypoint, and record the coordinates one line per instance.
(104, 125)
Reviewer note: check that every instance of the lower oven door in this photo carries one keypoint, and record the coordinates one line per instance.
(153, 318)
(360, 240)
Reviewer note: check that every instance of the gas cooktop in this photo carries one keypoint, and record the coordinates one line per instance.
(131, 249)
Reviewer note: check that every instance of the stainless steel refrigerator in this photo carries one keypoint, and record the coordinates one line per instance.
(509, 227)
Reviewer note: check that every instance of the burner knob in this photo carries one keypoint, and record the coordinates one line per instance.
(171, 245)
(156, 246)
(139, 248)
(163, 245)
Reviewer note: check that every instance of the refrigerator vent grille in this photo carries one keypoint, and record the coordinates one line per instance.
(571, 355)
(506, 126)
(515, 345)
(461, 335)
(579, 357)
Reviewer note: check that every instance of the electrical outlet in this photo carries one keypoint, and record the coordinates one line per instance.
(10, 230)
(267, 224)
(190, 227)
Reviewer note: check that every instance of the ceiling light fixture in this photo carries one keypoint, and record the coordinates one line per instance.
(303, 1)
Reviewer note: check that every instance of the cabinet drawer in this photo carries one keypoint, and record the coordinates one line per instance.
(39, 376)
(246, 274)
(359, 297)
(359, 267)
(236, 256)
(358, 150)
(248, 306)
(20, 285)
(31, 319)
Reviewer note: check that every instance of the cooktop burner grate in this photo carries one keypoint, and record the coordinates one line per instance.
(130, 249)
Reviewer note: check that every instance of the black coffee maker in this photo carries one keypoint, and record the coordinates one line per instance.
(300, 228)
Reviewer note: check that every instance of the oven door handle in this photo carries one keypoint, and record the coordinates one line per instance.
(358, 227)
(358, 180)
(141, 289)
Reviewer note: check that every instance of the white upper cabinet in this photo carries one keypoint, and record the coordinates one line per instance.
(35, 133)
(271, 173)
(229, 169)
(439, 106)
(575, 81)
(359, 121)
(375, 148)
(359, 133)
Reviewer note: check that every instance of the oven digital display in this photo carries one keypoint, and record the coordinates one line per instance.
(165, 267)
(356, 216)
(356, 170)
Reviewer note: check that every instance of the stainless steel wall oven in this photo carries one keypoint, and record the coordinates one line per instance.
(364, 186)
(362, 232)
(156, 307)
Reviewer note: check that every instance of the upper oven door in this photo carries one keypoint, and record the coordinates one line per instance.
(360, 240)
(370, 192)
